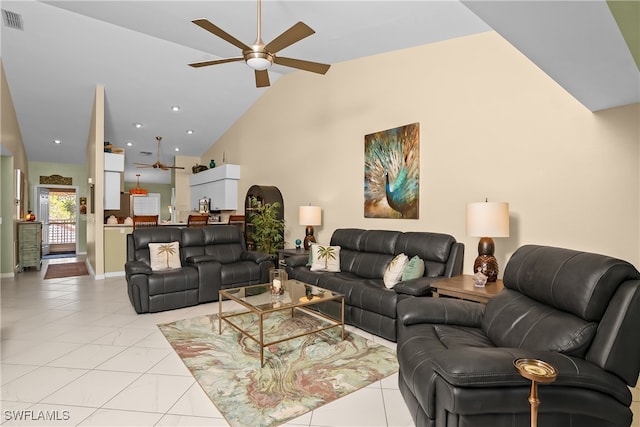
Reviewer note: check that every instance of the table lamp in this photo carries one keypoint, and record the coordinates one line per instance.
(486, 220)
(309, 216)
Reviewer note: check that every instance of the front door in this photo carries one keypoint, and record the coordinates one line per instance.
(42, 215)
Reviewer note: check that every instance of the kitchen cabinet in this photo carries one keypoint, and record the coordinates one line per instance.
(219, 184)
(113, 168)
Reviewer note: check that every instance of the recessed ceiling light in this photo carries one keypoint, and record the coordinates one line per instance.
(129, 144)
(138, 125)
(176, 149)
(175, 108)
(190, 132)
(57, 141)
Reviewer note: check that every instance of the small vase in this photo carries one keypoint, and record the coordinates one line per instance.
(479, 279)
(212, 164)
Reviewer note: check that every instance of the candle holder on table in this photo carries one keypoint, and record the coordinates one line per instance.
(277, 278)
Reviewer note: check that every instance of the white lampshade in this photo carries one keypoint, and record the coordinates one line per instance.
(310, 215)
(488, 219)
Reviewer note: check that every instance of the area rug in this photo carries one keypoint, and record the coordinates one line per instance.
(299, 375)
(70, 269)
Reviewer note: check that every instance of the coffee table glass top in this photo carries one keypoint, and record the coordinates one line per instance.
(296, 294)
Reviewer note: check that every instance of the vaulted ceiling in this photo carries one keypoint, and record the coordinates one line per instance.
(139, 50)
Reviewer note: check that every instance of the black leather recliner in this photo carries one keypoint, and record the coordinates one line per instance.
(211, 258)
(578, 311)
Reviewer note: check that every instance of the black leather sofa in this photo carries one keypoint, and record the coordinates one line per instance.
(578, 311)
(211, 258)
(364, 256)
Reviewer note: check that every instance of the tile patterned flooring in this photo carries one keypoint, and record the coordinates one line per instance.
(75, 349)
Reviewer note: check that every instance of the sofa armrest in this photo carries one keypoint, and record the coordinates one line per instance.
(137, 267)
(420, 287)
(294, 261)
(196, 259)
(256, 256)
(447, 311)
(493, 367)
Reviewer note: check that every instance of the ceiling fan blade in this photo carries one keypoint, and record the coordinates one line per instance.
(215, 62)
(262, 78)
(314, 67)
(294, 34)
(205, 24)
(143, 165)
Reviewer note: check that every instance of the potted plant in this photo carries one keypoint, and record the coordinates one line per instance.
(268, 229)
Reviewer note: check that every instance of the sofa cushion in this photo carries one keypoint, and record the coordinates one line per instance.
(515, 320)
(325, 258)
(393, 273)
(414, 269)
(580, 283)
(164, 256)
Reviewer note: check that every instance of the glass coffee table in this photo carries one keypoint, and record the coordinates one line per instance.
(259, 301)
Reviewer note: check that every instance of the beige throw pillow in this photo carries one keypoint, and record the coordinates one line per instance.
(393, 273)
(164, 256)
(325, 258)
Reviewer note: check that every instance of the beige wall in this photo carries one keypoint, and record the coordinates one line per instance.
(14, 157)
(492, 125)
(95, 172)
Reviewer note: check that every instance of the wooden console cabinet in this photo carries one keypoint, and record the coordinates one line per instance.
(29, 245)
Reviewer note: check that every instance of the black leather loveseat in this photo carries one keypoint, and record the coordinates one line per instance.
(364, 257)
(211, 258)
(578, 311)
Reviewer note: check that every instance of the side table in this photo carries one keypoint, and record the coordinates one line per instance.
(283, 254)
(462, 287)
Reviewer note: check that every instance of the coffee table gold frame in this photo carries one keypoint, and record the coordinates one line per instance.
(537, 371)
(257, 299)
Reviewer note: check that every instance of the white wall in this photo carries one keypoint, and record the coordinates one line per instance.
(492, 125)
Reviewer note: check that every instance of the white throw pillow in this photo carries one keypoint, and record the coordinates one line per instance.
(325, 258)
(164, 256)
(393, 273)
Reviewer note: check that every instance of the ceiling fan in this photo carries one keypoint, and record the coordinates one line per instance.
(158, 164)
(261, 56)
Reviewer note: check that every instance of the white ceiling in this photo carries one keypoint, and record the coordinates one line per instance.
(139, 50)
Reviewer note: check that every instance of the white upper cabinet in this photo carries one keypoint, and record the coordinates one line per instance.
(219, 184)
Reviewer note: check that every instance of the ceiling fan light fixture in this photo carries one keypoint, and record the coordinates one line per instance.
(259, 61)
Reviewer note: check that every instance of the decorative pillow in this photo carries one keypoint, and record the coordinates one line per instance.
(393, 273)
(164, 256)
(414, 269)
(325, 258)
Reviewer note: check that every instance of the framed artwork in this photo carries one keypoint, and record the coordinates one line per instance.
(83, 205)
(392, 173)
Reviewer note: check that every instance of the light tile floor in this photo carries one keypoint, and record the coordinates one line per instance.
(74, 348)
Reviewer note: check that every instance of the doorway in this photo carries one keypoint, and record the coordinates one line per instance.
(56, 208)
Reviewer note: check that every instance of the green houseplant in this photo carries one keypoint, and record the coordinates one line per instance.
(268, 229)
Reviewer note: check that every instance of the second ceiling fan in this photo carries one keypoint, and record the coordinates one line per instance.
(261, 56)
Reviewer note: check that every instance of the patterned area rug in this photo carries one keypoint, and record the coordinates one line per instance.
(69, 269)
(298, 376)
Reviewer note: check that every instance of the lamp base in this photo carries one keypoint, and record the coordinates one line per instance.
(309, 238)
(487, 265)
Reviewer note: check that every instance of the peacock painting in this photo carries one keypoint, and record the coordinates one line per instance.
(392, 173)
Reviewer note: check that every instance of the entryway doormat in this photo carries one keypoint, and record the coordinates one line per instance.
(69, 269)
(298, 376)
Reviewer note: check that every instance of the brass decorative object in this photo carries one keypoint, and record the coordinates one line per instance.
(56, 180)
(537, 371)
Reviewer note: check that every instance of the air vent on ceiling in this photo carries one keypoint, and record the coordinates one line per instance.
(12, 19)
(146, 153)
